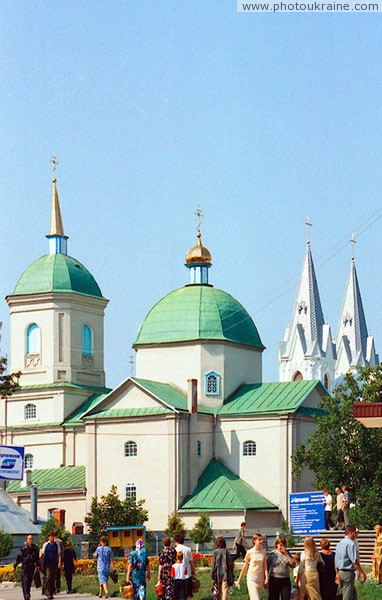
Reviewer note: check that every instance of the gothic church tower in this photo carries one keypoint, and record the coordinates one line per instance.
(355, 347)
(307, 350)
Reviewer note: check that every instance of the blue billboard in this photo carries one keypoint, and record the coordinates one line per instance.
(11, 462)
(306, 512)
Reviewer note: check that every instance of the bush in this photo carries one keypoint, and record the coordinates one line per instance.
(175, 524)
(6, 543)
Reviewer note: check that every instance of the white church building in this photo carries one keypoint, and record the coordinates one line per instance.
(197, 429)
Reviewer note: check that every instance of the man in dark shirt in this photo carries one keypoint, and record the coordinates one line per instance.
(50, 557)
(29, 559)
(239, 542)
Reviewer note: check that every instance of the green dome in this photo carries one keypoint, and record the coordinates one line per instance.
(57, 273)
(198, 312)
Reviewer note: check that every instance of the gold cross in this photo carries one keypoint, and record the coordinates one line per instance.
(199, 214)
(54, 162)
(308, 224)
(353, 243)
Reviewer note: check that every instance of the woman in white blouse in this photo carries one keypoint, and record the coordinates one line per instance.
(307, 576)
(256, 565)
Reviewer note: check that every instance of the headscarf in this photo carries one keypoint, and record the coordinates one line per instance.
(139, 545)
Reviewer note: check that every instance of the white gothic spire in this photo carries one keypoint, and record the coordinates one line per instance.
(355, 346)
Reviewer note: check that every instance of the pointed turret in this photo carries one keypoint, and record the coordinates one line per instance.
(355, 347)
(56, 236)
(307, 350)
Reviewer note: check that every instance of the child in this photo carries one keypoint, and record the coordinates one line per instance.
(179, 573)
(294, 595)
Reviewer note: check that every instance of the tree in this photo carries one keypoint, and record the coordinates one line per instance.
(53, 525)
(175, 524)
(111, 511)
(8, 383)
(202, 532)
(6, 543)
(342, 451)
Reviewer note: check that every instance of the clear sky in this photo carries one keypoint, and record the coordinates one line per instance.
(156, 106)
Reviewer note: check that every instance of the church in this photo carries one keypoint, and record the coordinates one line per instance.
(197, 429)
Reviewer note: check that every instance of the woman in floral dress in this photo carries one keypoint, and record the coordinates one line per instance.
(104, 556)
(167, 557)
(138, 570)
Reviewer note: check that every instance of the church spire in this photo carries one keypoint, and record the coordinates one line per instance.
(57, 238)
(308, 310)
(354, 345)
(307, 350)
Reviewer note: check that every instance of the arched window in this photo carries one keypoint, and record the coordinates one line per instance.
(131, 491)
(212, 384)
(249, 448)
(33, 341)
(297, 376)
(30, 411)
(28, 461)
(199, 447)
(131, 448)
(87, 341)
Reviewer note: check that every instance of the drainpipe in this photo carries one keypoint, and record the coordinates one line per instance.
(34, 517)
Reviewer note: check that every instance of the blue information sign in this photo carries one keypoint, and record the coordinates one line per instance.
(11, 462)
(306, 512)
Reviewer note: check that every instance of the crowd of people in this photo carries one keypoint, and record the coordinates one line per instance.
(317, 573)
(49, 560)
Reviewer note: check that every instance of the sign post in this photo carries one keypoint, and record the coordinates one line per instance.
(11, 462)
(306, 512)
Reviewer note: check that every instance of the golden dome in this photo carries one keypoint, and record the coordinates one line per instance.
(198, 253)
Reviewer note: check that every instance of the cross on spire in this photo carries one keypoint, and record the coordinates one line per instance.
(353, 242)
(54, 162)
(308, 224)
(199, 213)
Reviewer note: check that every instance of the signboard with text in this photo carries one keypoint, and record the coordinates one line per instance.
(11, 462)
(306, 512)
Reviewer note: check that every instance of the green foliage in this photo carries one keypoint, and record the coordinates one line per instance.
(53, 525)
(202, 532)
(8, 383)
(342, 451)
(111, 511)
(6, 543)
(175, 524)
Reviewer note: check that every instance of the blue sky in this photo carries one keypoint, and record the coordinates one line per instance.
(155, 107)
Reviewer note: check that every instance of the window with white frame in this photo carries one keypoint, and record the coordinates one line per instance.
(28, 461)
(87, 341)
(212, 384)
(30, 411)
(33, 339)
(131, 491)
(249, 448)
(131, 448)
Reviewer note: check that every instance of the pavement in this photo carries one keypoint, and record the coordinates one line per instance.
(9, 591)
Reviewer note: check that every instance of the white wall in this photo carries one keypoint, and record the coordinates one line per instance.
(178, 362)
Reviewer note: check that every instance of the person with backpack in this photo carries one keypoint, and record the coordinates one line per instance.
(50, 558)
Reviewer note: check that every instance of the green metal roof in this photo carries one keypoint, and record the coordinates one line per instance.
(169, 395)
(63, 384)
(113, 413)
(76, 418)
(63, 478)
(269, 398)
(220, 489)
(57, 273)
(32, 425)
(198, 312)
